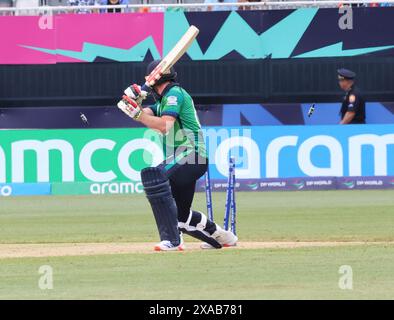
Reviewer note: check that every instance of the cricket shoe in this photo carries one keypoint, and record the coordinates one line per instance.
(224, 237)
(166, 245)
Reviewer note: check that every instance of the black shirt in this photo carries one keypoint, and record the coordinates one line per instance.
(353, 101)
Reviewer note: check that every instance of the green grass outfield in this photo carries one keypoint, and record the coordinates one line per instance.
(272, 273)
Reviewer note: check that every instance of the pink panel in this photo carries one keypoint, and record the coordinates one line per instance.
(121, 31)
(70, 31)
(17, 31)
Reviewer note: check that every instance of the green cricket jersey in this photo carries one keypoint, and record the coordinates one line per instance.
(186, 135)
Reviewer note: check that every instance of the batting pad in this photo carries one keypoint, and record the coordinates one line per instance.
(158, 191)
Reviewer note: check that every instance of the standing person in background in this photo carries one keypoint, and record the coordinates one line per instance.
(353, 105)
(114, 2)
(247, 7)
(82, 3)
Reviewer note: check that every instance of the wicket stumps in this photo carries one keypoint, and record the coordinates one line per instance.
(230, 208)
(233, 206)
(230, 213)
(208, 195)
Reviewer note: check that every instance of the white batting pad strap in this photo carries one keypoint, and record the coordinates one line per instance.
(203, 223)
(186, 225)
(182, 225)
(200, 226)
(190, 217)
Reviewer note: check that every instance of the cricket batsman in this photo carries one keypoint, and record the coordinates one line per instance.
(170, 186)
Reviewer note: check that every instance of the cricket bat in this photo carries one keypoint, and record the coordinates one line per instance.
(172, 57)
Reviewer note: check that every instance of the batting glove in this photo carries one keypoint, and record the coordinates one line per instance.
(130, 107)
(134, 92)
